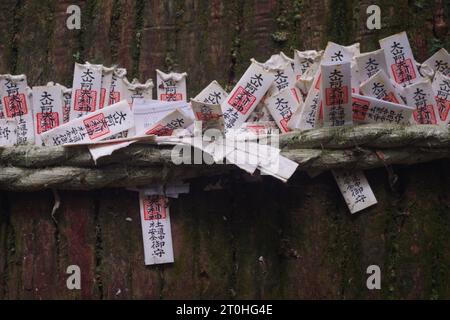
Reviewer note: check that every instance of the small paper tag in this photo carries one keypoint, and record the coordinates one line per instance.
(210, 115)
(48, 109)
(171, 86)
(440, 62)
(355, 189)
(380, 87)
(399, 59)
(213, 94)
(166, 126)
(86, 89)
(370, 63)
(16, 101)
(441, 89)
(156, 229)
(370, 110)
(420, 95)
(92, 127)
(247, 93)
(335, 89)
(282, 105)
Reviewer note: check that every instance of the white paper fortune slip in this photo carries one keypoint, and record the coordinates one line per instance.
(304, 60)
(8, 135)
(336, 89)
(370, 63)
(86, 89)
(166, 126)
(17, 105)
(380, 86)
(355, 188)
(247, 93)
(440, 61)
(284, 76)
(399, 59)
(282, 105)
(370, 110)
(48, 109)
(92, 127)
(171, 86)
(420, 96)
(441, 89)
(156, 230)
(209, 114)
(213, 93)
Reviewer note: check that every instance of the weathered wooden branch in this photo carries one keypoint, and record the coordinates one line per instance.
(361, 147)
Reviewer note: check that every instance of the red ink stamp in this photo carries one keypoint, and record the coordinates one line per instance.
(443, 107)
(114, 97)
(15, 105)
(336, 96)
(171, 97)
(85, 100)
(242, 100)
(160, 130)
(403, 71)
(360, 108)
(96, 126)
(154, 208)
(46, 121)
(425, 115)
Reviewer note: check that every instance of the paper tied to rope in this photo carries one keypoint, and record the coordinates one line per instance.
(17, 104)
(420, 95)
(213, 94)
(48, 109)
(441, 90)
(209, 114)
(171, 86)
(283, 105)
(94, 126)
(369, 63)
(246, 94)
(439, 62)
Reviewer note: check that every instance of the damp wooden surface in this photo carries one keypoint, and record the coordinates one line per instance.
(248, 240)
(259, 240)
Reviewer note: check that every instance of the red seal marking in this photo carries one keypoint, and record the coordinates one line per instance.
(15, 105)
(160, 130)
(336, 96)
(360, 108)
(46, 121)
(96, 126)
(242, 100)
(403, 70)
(154, 208)
(425, 115)
(171, 97)
(85, 100)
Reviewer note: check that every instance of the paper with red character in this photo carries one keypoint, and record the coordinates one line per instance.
(355, 189)
(94, 126)
(17, 105)
(168, 125)
(400, 61)
(369, 63)
(67, 97)
(439, 62)
(134, 90)
(421, 96)
(86, 89)
(48, 109)
(8, 136)
(246, 94)
(209, 114)
(336, 94)
(213, 94)
(283, 105)
(156, 229)
(171, 86)
(441, 90)
(370, 110)
(380, 87)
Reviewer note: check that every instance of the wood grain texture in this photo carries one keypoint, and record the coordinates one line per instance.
(250, 239)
